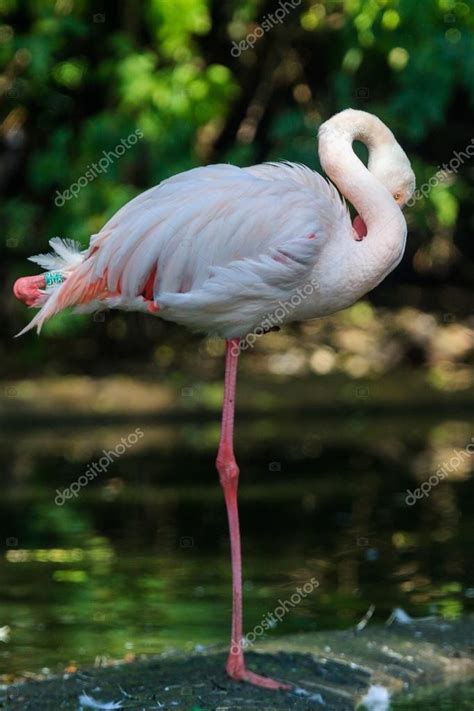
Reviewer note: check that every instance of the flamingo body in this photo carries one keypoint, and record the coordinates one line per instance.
(215, 249)
(218, 248)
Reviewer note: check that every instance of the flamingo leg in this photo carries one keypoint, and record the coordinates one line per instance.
(229, 479)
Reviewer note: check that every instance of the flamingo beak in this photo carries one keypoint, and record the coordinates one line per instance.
(359, 227)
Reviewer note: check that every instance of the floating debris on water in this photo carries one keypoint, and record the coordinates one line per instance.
(376, 699)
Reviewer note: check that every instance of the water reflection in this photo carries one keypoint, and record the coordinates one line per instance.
(138, 561)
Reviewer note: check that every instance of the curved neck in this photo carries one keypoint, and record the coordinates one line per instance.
(382, 248)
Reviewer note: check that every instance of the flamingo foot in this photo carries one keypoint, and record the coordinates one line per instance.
(28, 289)
(238, 672)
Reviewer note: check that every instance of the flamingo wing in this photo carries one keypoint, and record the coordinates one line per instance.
(213, 247)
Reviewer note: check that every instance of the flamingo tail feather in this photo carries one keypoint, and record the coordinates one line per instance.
(67, 257)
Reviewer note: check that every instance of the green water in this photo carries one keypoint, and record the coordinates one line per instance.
(138, 562)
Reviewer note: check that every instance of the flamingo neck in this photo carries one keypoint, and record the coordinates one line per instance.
(382, 247)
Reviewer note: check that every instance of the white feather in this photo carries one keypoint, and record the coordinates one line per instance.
(240, 295)
(88, 702)
(66, 254)
(376, 699)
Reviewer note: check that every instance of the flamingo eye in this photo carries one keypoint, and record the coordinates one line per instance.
(397, 196)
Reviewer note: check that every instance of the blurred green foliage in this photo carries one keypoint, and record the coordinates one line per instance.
(76, 80)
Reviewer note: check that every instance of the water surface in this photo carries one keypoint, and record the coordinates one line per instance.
(138, 562)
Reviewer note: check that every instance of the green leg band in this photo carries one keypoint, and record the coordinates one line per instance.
(53, 278)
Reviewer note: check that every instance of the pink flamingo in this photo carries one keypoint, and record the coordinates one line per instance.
(230, 251)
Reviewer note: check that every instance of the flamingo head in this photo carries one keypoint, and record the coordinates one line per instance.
(389, 163)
